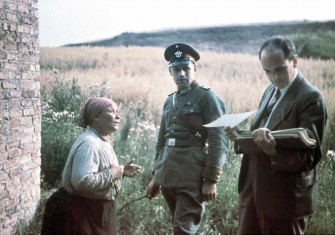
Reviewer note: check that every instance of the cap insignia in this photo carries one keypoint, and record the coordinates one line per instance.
(178, 54)
(177, 46)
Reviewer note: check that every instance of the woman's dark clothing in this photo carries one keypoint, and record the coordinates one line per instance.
(74, 215)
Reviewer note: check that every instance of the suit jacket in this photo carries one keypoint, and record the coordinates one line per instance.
(284, 186)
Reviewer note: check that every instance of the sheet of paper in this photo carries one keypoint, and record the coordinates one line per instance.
(230, 119)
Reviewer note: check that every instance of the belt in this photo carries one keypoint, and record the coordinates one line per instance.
(172, 142)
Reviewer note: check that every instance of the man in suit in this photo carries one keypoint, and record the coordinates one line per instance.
(185, 171)
(278, 188)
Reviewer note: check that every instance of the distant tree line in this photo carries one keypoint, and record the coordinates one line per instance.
(319, 45)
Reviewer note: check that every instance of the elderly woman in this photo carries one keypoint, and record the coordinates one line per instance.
(91, 178)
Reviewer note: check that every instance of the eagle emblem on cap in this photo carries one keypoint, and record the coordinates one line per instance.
(178, 54)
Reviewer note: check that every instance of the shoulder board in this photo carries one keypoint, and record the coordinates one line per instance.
(172, 93)
(205, 87)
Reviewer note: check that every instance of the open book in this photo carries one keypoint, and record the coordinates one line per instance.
(296, 138)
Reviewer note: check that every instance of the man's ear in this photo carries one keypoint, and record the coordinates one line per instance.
(96, 119)
(295, 61)
(195, 68)
(170, 70)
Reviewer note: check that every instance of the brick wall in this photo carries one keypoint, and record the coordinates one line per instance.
(20, 113)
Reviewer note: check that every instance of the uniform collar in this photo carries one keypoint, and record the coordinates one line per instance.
(189, 87)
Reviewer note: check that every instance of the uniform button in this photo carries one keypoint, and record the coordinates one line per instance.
(173, 124)
(172, 131)
(191, 110)
(174, 117)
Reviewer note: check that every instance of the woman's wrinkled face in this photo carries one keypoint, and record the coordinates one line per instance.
(109, 119)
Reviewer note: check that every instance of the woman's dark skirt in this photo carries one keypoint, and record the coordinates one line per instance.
(71, 214)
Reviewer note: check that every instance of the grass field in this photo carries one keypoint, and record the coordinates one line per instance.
(137, 78)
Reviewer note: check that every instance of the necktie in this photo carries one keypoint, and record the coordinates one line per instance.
(272, 102)
(270, 106)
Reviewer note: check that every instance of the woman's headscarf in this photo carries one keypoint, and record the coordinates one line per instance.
(92, 109)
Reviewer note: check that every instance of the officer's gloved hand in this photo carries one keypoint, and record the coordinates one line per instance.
(208, 191)
(153, 189)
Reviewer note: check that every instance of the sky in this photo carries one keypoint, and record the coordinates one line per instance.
(73, 21)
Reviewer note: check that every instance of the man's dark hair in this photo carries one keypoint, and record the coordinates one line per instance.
(285, 44)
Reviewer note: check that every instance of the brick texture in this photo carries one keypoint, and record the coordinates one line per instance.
(20, 113)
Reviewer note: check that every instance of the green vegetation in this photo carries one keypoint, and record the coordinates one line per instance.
(138, 80)
(318, 45)
(60, 109)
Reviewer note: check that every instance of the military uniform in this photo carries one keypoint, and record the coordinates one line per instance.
(182, 162)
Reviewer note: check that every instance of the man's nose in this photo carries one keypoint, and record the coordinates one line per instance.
(275, 75)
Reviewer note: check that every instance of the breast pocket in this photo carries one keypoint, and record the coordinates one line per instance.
(191, 109)
(192, 114)
(288, 117)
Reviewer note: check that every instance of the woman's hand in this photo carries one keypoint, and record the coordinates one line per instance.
(131, 169)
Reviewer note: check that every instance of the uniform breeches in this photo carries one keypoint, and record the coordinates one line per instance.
(186, 207)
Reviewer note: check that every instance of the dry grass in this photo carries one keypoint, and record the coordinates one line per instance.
(135, 72)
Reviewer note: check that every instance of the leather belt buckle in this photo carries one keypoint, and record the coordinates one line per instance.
(171, 142)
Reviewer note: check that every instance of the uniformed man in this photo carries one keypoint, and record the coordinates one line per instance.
(187, 173)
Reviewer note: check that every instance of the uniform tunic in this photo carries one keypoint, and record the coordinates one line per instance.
(187, 166)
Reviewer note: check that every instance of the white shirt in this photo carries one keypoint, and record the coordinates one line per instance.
(282, 94)
(87, 171)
